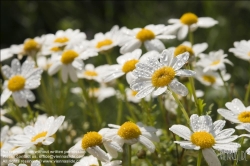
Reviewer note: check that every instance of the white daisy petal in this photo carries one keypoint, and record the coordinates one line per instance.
(236, 106)
(228, 115)
(159, 91)
(29, 130)
(72, 74)
(132, 45)
(56, 124)
(146, 142)
(48, 141)
(5, 54)
(199, 48)
(181, 60)
(182, 33)
(29, 95)
(145, 91)
(6, 70)
(76, 151)
(112, 148)
(187, 145)
(154, 44)
(227, 147)
(178, 88)
(181, 131)
(15, 66)
(206, 22)
(65, 73)
(224, 133)
(218, 126)
(211, 157)
(19, 99)
(185, 73)
(226, 139)
(54, 68)
(5, 95)
(98, 153)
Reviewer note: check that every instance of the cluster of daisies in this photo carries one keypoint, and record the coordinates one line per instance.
(148, 75)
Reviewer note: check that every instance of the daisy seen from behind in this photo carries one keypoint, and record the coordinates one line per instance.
(158, 75)
(241, 49)
(205, 135)
(150, 36)
(236, 113)
(41, 133)
(91, 142)
(21, 80)
(192, 22)
(132, 133)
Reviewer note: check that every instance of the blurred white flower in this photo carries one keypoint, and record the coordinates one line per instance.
(3, 118)
(190, 20)
(241, 50)
(102, 92)
(21, 79)
(206, 136)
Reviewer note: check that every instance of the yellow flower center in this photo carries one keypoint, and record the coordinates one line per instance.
(55, 49)
(91, 139)
(90, 73)
(215, 62)
(129, 130)
(163, 76)
(68, 56)
(209, 79)
(203, 139)
(133, 93)
(244, 117)
(16, 83)
(145, 34)
(30, 45)
(189, 18)
(61, 40)
(105, 42)
(181, 49)
(129, 65)
(1, 145)
(39, 135)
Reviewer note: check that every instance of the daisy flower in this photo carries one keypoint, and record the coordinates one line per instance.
(33, 163)
(3, 118)
(91, 160)
(158, 75)
(21, 79)
(211, 78)
(193, 51)
(236, 113)
(93, 73)
(190, 20)
(206, 136)
(104, 42)
(214, 61)
(246, 127)
(132, 133)
(70, 61)
(149, 35)
(241, 50)
(91, 143)
(41, 133)
(101, 93)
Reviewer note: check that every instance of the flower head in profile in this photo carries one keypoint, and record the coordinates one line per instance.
(192, 22)
(241, 49)
(91, 143)
(70, 61)
(41, 133)
(21, 79)
(93, 161)
(236, 113)
(214, 61)
(104, 42)
(158, 75)
(132, 133)
(150, 36)
(205, 135)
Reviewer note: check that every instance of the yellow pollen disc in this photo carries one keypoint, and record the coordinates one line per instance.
(61, 40)
(163, 76)
(181, 49)
(129, 130)
(30, 45)
(90, 73)
(1, 145)
(68, 56)
(215, 62)
(203, 139)
(39, 135)
(105, 42)
(145, 34)
(244, 117)
(16, 83)
(55, 49)
(129, 65)
(189, 18)
(209, 79)
(91, 139)
(133, 93)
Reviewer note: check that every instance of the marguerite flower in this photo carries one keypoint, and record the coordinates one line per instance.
(70, 61)
(41, 133)
(236, 113)
(21, 79)
(206, 136)
(93, 161)
(246, 127)
(33, 163)
(214, 61)
(91, 143)
(192, 22)
(132, 133)
(158, 76)
(149, 35)
(104, 42)
(241, 50)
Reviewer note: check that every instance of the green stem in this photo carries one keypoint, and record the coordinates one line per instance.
(181, 107)
(129, 155)
(163, 113)
(247, 94)
(199, 158)
(190, 36)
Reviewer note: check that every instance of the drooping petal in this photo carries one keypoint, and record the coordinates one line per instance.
(185, 73)
(48, 141)
(178, 88)
(65, 73)
(5, 95)
(29, 95)
(130, 46)
(154, 44)
(20, 99)
(159, 91)
(211, 157)
(76, 151)
(145, 91)
(54, 68)
(181, 131)
(182, 33)
(97, 152)
(146, 142)
(187, 145)
(72, 73)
